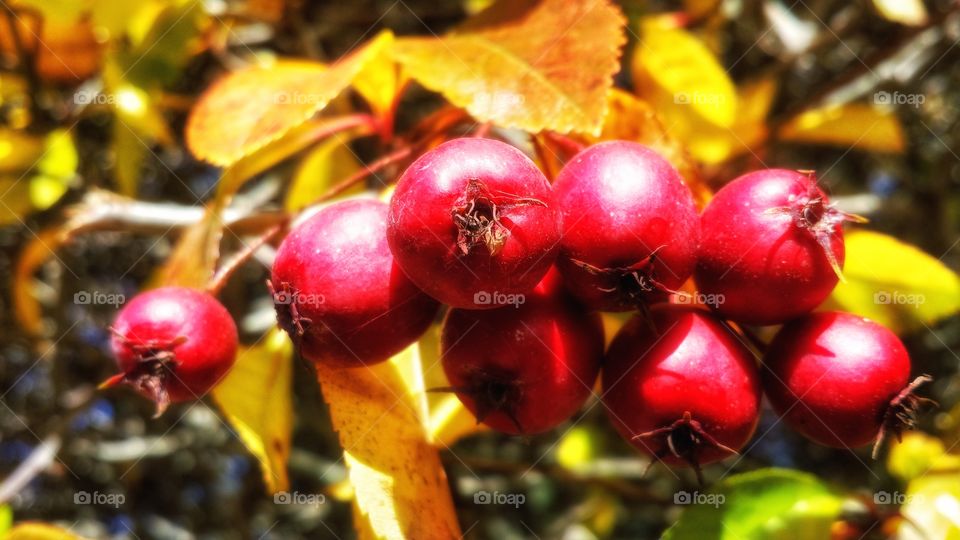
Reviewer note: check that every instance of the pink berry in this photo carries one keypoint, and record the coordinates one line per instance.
(473, 217)
(840, 379)
(772, 247)
(681, 387)
(524, 369)
(339, 292)
(630, 226)
(173, 344)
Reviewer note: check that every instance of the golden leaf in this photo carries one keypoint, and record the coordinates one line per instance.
(381, 80)
(675, 63)
(855, 124)
(248, 109)
(194, 258)
(327, 163)
(894, 283)
(530, 65)
(393, 468)
(256, 399)
(35, 172)
(33, 530)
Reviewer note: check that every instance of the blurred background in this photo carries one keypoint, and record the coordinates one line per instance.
(94, 98)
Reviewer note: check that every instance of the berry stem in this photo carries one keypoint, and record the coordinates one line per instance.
(901, 414)
(685, 438)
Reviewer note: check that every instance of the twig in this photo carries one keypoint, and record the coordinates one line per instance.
(227, 269)
(360, 175)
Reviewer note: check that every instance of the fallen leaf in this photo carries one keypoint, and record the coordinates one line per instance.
(394, 469)
(530, 65)
(893, 283)
(856, 125)
(256, 400)
(248, 109)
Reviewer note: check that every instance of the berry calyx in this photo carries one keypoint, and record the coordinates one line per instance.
(771, 247)
(338, 291)
(173, 344)
(686, 391)
(526, 368)
(473, 217)
(630, 226)
(841, 380)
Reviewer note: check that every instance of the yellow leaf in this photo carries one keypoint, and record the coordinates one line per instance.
(34, 172)
(381, 79)
(248, 109)
(676, 63)
(256, 399)
(395, 471)
(931, 507)
(30, 530)
(894, 283)
(852, 125)
(194, 258)
(917, 454)
(328, 163)
(908, 12)
(523, 64)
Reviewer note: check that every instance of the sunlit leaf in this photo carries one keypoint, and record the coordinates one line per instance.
(919, 453)
(577, 447)
(6, 518)
(381, 79)
(256, 399)
(158, 56)
(894, 283)
(331, 161)
(855, 125)
(676, 63)
(931, 507)
(35, 172)
(393, 467)
(908, 12)
(530, 65)
(764, 504)
(248, 109)
(32, 530)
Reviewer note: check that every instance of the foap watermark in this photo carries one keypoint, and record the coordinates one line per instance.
(896, 498)
(102, 499)
(496, 298)
(297, 98)
(295, 497)
(898, 98)
(98, 298)
(898, 298)
(698, 298)
(287, 297)
(695, 497)
(496, 497)
(698, 98)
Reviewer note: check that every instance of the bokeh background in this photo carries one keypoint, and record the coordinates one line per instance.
(101, 101)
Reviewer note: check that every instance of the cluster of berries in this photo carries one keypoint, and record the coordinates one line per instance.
(525, 268)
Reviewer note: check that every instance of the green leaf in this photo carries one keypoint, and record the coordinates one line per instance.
(894, 284)
(765, 504)
(6, 518)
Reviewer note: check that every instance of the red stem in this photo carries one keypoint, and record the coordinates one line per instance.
(226, 270)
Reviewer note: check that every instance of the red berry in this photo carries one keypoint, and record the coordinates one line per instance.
(681, 387)
(840, 379)
(338, 291)
(630, 226)
(772, 247)
(173, 344)
(473, 216)
(524, 369)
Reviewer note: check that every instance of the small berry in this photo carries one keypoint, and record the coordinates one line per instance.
(630, 226)
(686, 391)
(772, 247)
(841, 380)
(173, 344)
(473, 216)
(338, 291)
(524, 369)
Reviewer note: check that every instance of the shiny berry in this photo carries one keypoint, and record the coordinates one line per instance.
(340, 294)
(473, 216)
